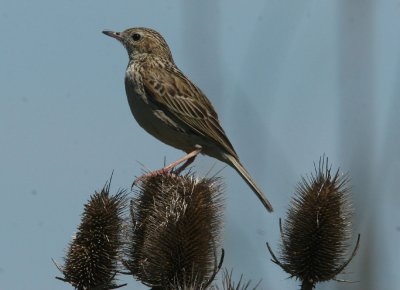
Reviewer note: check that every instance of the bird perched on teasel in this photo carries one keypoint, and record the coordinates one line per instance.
(171, 108)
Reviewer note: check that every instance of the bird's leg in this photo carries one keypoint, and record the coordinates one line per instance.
(186, 164)
(188, 159)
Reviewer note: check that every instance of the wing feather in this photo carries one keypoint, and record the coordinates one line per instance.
(185, 103)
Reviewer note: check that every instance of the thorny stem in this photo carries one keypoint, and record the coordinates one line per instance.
(307, 285)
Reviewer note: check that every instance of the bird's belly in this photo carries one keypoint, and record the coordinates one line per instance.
(156, 123)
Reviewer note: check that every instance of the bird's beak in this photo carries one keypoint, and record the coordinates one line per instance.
(116, 35)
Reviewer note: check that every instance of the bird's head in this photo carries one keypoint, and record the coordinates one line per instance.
(140, 40)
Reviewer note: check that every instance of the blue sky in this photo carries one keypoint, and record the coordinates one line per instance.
(291, 80)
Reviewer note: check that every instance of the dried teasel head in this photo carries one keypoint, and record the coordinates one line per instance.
(176, 228)
(317, 230)
(92, 257)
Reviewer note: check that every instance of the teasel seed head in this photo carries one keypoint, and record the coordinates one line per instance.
(176, 228)
(92, 257)
(317, 230)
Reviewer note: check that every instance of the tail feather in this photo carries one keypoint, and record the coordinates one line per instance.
(235, 163)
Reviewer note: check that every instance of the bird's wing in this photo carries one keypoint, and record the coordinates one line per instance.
(181, 100)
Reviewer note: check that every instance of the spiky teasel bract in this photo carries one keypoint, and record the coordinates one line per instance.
(229, 284)
(176, 223)
(92, 257)
(317, 231)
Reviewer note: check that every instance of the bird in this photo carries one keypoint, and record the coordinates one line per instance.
(170, 107)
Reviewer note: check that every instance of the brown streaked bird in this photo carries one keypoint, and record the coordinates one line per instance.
(170, 107)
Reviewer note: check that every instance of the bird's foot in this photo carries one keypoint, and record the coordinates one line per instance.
(147, 175)
(188, 159)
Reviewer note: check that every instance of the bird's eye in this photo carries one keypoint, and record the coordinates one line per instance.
(136, 37)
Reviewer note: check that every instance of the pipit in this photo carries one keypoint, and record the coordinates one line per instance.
(170, 107)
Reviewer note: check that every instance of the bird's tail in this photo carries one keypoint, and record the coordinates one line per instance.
(235, 163)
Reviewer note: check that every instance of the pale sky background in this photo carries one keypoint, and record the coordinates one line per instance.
(291, 80)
